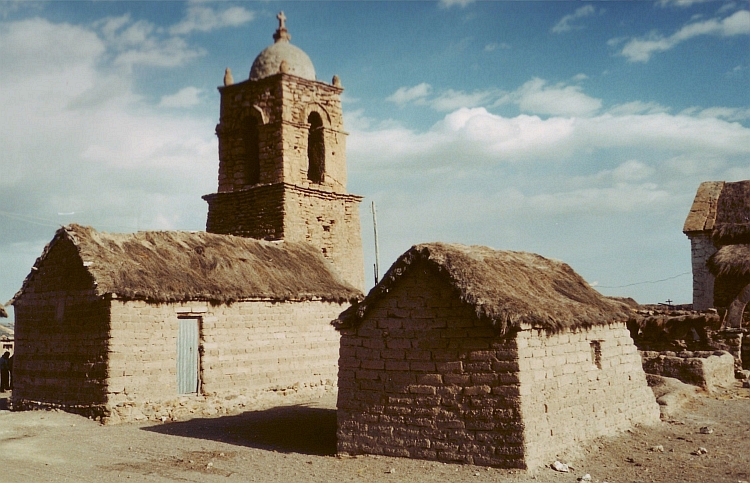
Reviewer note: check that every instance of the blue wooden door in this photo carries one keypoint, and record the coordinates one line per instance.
(187, 356)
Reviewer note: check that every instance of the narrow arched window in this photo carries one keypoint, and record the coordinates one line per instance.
(252, 152)
(316, 150)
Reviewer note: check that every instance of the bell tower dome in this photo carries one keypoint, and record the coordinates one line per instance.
(282, 159)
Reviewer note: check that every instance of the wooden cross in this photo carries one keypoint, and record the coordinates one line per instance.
(281, 18)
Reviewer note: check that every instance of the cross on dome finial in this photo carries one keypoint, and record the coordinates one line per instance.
(282, 33)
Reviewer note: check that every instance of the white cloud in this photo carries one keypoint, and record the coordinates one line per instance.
(533, 97)
(451, 100)
(37, 47)
(185, 97)
(728, 113)
(637, 107)
(481, 139)
(99, 151)
(566, 24)
(140, 42)
(493, 46)
(537, 97)
(641, 49)
(451, 3)
(680, 3)
(404, 95)
(204, 19)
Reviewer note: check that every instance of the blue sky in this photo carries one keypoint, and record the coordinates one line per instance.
(576, 130)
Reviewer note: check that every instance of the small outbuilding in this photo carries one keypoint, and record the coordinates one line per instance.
(110, 323)
(718, 227)
(498, 358)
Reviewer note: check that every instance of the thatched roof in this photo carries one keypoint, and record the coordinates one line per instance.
(723, 208)
(702, 213)
(173, 266)
(731, 260)
(506, 288)
(733, 214)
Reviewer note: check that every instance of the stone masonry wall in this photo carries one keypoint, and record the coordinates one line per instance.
(301, 97)
(707, 369)
(703, 280)
(254, 213)
(327, 220)
(61, 336)
(423, 378)
(330, 222)
(245, 348)
(576, 386)
(282, 104)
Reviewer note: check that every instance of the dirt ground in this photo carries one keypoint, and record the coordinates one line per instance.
(296, 443)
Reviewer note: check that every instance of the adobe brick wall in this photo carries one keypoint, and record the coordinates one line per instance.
(576, 386)
(61, 334)
(245, 348)
(422, 377)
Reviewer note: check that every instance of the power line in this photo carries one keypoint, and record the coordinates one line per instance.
(35, 220)
(642, 283)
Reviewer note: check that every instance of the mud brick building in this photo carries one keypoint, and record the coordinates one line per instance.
(106, 322)
(467, 354)
(718, 226)
(111, 322)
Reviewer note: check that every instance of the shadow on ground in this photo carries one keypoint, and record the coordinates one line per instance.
(287, 429)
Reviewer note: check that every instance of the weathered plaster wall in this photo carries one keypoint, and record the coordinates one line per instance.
(703, 280)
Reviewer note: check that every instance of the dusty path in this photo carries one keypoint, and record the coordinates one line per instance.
(297, 444)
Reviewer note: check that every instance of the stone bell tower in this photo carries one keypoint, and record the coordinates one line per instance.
(282, 159)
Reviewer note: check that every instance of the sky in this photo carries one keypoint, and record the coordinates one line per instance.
(576, 130)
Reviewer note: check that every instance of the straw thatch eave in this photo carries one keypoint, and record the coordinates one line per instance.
(507, 289)
(731, 260)
(732, 225)
(172, 266)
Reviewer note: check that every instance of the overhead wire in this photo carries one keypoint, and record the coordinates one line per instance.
(645, 282)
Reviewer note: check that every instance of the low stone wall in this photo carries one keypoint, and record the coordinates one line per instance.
(709, 370)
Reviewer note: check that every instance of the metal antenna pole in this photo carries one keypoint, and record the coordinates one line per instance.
(377, 251)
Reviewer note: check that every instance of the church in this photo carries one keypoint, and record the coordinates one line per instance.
(143, 325)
